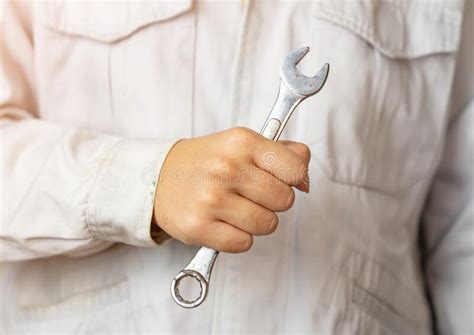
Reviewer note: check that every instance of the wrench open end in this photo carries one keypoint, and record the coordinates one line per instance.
(321, 76)
(297, 81)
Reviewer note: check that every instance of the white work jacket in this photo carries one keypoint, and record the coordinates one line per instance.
(94, 94)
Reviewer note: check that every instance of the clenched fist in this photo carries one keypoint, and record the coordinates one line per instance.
(220, 190)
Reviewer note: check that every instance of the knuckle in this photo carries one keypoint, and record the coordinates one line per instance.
(221, 164)
(224, 170)
(192, 229)
(209, 198)
(241, 136)
(253, 217)
(237, 243)
(265, 224)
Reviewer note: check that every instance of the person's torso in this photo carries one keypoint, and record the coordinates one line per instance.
(344, 259)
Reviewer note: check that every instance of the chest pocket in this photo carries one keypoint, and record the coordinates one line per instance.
(379, 122)
(119, 67)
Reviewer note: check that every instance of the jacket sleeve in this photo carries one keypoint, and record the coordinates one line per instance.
(64, 191)
(448, 220)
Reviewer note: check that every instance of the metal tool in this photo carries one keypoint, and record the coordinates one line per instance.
(294, 88)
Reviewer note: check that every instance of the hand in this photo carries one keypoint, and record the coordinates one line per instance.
(220, 190)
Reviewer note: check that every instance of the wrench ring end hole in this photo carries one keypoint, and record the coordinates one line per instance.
(176, 294)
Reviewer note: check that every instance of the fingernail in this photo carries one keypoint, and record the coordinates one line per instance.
(303, 187)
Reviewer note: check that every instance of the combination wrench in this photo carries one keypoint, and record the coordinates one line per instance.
(294, 88)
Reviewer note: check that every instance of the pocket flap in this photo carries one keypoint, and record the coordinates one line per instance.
(399, 29)
(109, 21)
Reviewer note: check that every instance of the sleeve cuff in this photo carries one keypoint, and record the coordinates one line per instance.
(121, 202)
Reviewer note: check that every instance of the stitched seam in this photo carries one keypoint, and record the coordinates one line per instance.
(145, 221)
(324, 174)
(91, 214)
(368, 306)
(83, 30)
(384, 271)
(367, 266)
(369, 35)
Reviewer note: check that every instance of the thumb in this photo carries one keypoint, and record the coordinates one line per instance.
(304, 152)
(300, 149)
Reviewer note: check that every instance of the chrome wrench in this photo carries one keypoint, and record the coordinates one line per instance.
(294, 88)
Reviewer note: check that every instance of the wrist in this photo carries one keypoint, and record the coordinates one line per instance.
(158, 235)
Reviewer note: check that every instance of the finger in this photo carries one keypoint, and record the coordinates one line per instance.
(224, 237)
(304, 152)
(247, 215)
(279, 160)
(300, 149)
(265, 190)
